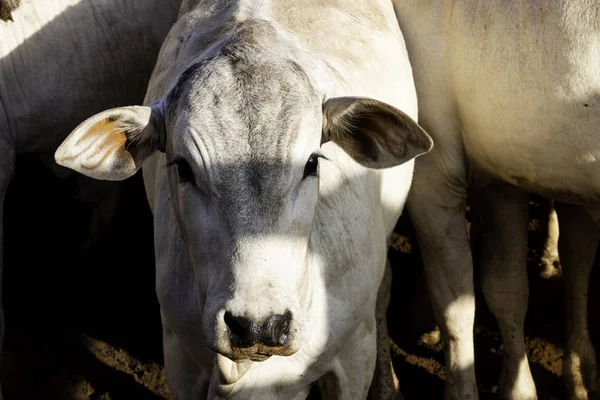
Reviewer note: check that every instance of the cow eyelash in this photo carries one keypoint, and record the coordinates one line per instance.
(312, 164)
(184, 171)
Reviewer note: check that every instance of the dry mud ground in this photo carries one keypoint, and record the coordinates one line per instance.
(83, 321)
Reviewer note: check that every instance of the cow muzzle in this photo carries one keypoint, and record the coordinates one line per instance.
(258, 341)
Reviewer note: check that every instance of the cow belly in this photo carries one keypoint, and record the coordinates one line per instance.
(540, 143)
(521, 79)
(531, 126)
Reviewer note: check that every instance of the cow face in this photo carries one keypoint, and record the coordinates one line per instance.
(242, 132)
(243, 138)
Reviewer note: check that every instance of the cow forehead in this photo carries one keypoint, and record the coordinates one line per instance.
(246, 97)
(244, 78)
(254, 114)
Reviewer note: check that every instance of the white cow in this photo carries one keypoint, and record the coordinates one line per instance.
(510, 91)
(270, 237)
(61, 60)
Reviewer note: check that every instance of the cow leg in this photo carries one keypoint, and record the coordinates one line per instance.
(502, 212)
(578, 245)
(186, 378)
(7, 169)
(436, 205)
(550, 258)
(385, 384)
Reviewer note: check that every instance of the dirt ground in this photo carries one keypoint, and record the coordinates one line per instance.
(83, 319)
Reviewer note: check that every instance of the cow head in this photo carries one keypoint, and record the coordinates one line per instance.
(242, 133)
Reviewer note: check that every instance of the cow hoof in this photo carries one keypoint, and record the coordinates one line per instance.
(516, 382)
(580, 375)
(551, 267)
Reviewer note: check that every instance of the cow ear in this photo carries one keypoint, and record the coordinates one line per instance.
(113, 144)
(373, 133)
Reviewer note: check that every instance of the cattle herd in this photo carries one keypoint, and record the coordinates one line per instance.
(279, 143)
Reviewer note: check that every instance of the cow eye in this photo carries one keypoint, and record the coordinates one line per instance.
(184, 171)
(311, 167)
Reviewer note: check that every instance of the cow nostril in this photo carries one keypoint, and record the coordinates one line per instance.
(276, 329)
(242, 331)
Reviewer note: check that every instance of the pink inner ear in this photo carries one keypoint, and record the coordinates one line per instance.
(106, 131)
(108, 142)
(99, 152)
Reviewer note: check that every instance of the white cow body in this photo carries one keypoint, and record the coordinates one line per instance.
(510, 91)
(61, 60)
(237, 232)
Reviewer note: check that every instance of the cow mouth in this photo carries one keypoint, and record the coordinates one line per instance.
(257, 353)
